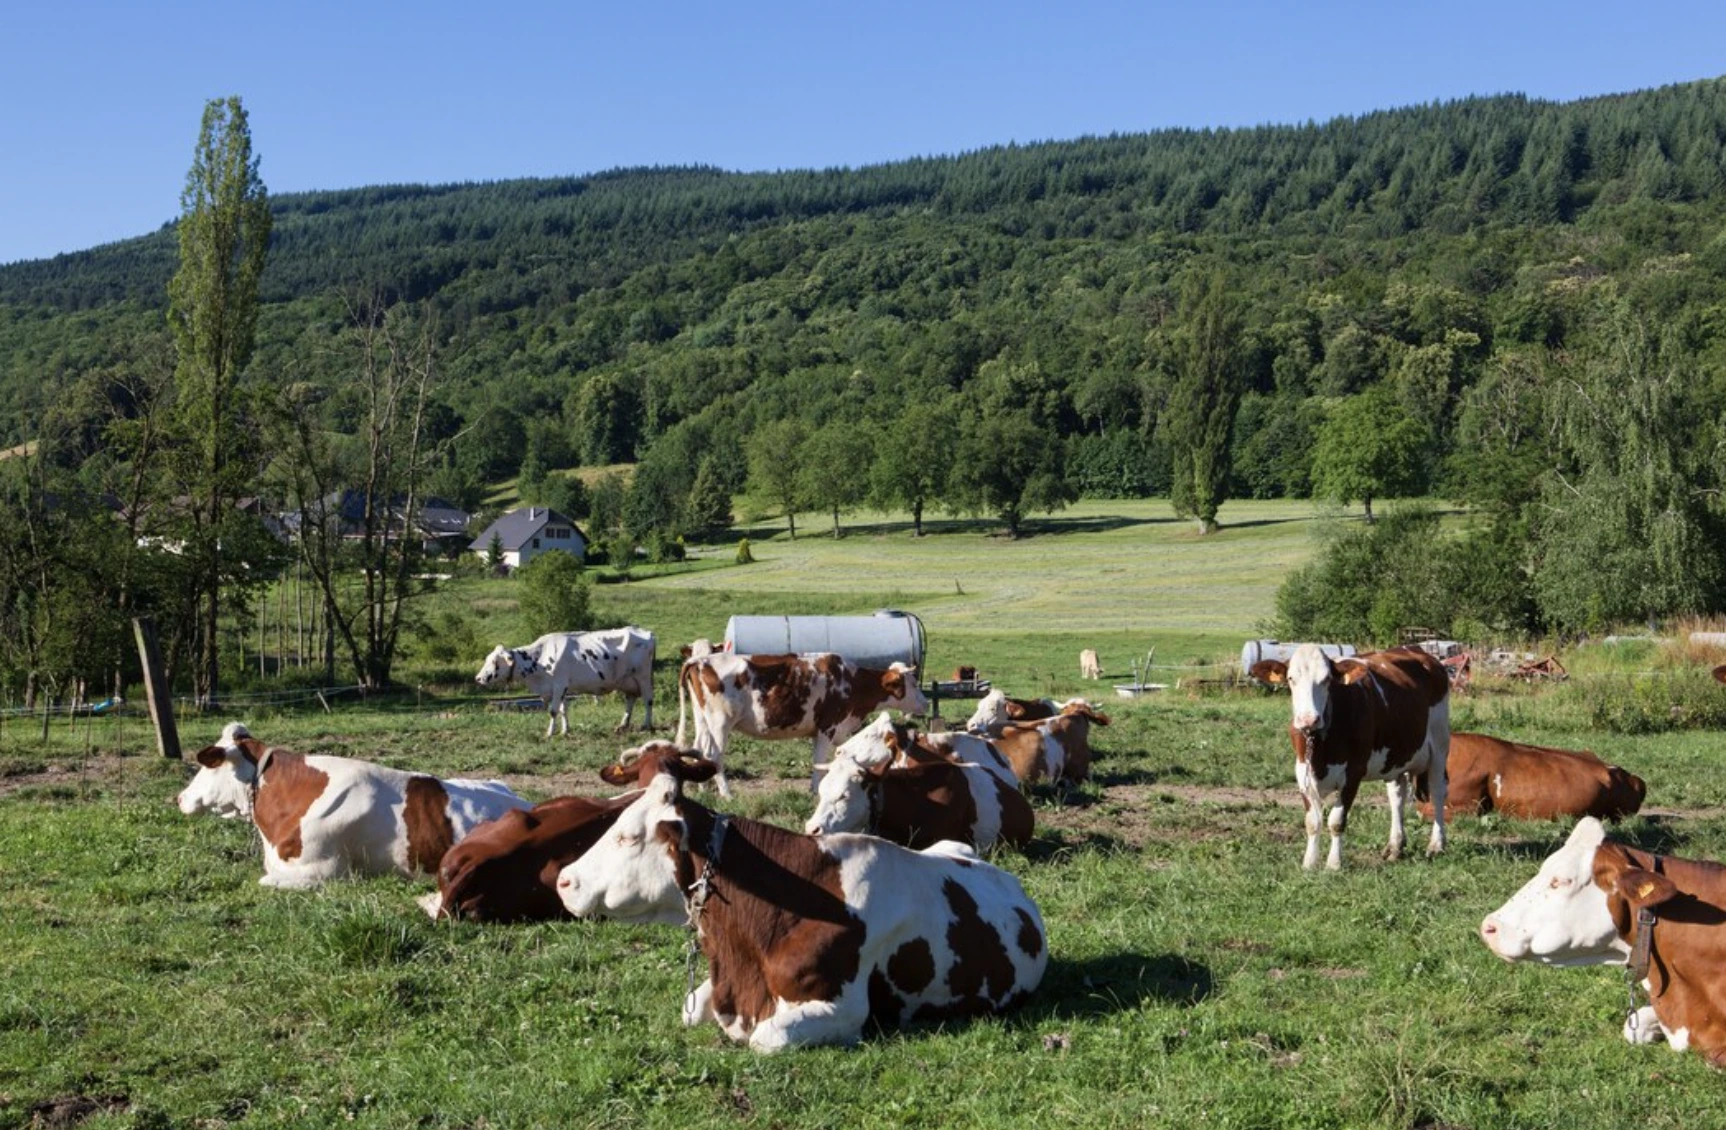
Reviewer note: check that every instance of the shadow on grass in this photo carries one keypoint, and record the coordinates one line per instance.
(1116, 982)
(1052, 846)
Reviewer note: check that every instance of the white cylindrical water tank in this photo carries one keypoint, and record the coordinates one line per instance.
(1254, 651)
(887, 637)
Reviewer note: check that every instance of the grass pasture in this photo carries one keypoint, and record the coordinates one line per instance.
(1198, 977)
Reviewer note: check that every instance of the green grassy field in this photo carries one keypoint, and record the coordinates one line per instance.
(1197, 976)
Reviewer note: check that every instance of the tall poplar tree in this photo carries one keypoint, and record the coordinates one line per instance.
(1203, 398)
(213, 311)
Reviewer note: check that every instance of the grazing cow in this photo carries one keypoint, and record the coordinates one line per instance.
(995, 710)
(324, 817)
(820, 696)
(564, 663)
(887, 781)
(506, 869)
(1382, 716)
(1058, 748)
(810, 937)
(1595, 902)
(1532, 782)
(1089, 666)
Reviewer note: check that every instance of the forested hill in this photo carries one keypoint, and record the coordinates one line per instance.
(670, 316)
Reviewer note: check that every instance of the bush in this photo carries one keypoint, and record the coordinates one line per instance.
(554, 595)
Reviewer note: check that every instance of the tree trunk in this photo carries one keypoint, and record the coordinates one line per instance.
(1367, 502)
(791, 522)
(917, 519)
(836, 534)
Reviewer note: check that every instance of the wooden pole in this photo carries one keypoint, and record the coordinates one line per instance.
(156, 691)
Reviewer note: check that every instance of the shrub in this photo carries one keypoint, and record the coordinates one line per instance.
(554, 595)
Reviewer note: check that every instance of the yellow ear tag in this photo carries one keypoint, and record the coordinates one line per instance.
(1645, 889)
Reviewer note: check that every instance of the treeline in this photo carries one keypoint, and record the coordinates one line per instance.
(1414, 298)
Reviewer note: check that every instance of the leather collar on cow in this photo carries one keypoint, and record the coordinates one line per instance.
(1641, 955)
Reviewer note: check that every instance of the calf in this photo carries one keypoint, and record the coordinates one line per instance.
(1382, 716)
(820, 696)
(323, 817)
(887, 781)
(1596, 902)
(808, 938)
(560, 664)
(1057, 749)
(1089, 665)
(1532, 782)
(506, 869)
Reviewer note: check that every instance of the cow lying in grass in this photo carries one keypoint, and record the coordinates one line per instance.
(810, 937)
(324, 817)
(888, 781)
(1532, 782)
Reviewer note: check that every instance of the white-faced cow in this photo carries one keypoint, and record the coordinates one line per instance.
(1532, 782)
(810, 937)
(820, 696)
(996, 709)
(324, 817)
(1595, 902)
(887, 781)
(1056, 749)
(564, 663)
(1382, 716)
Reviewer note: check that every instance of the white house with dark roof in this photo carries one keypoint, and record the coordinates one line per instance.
(529, 532)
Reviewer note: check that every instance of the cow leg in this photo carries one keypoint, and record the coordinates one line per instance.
(293, 879)
(1643, 1027)
(551, 705)
(1339, 823)
(698, 1005)
(628, 713)
(1437, 781)
(1397, 789)
(1313, 802)
(811, 1022)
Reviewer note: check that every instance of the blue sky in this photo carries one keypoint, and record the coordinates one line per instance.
(103, 98)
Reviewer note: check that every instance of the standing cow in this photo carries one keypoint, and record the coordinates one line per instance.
(821, 696)
(808, 938)
(560, 664)
(1382, 716)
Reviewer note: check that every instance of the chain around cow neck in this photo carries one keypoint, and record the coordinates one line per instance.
(1641, 955)
(695, 899)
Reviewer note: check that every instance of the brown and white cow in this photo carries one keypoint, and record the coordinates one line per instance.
(1381, 716)
(1532, 782)
(821, 696)
(506, 869)
(1595, 902)
(886, 780)
(808, 938)
(996, 709)
(1055, 749)
(324, 817)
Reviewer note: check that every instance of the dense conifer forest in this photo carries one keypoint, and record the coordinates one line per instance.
(1512, 304)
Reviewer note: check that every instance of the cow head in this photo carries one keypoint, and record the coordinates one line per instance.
(499, 667)
(226, 777)
(842, 799)
(631, 873)
(1561, 916)
(990, 715)
(699, 649)
(1311, 675)
(899, 682)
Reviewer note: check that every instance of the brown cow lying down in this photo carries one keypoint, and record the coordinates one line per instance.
(321, 818)
(809, 938)
(1057, 748)
(1532, 782)
(505, 870)
(1600, 903)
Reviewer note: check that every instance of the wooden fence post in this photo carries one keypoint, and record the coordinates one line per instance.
(156, 688)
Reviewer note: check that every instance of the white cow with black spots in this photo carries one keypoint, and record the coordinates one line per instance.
(560, 664)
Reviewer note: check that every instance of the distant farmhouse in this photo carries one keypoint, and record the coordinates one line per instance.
(440, 526)
(529, 532)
